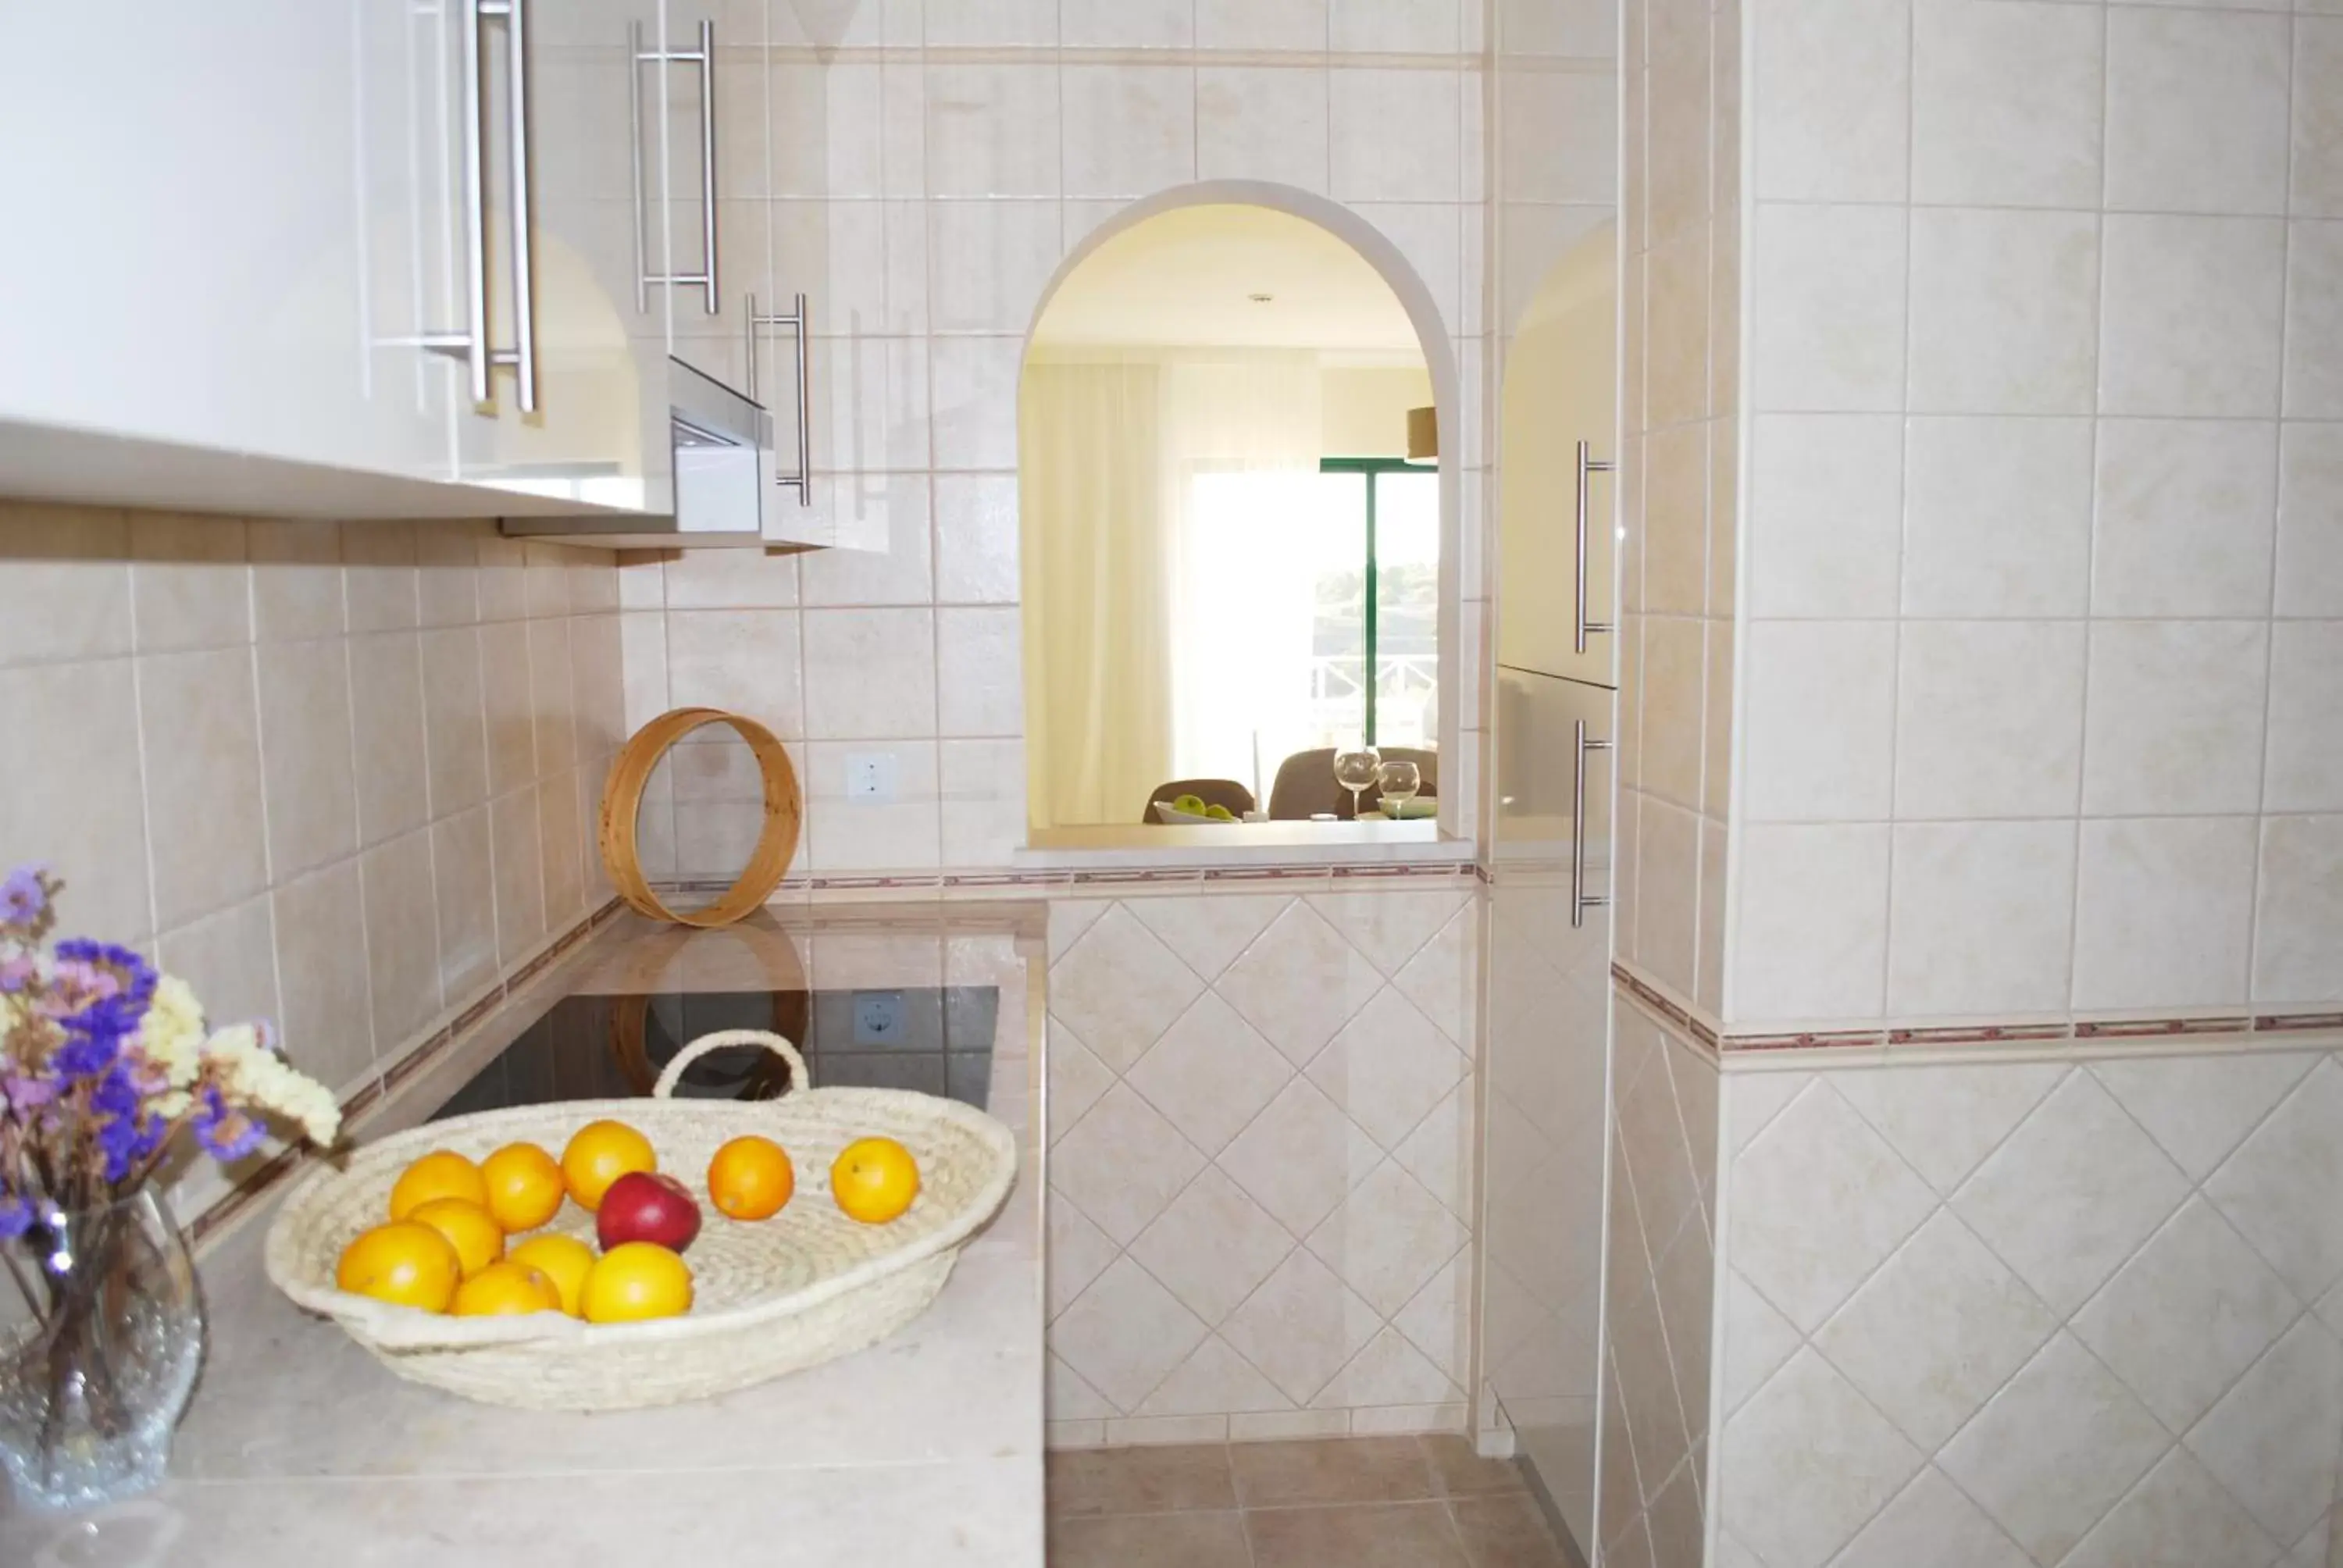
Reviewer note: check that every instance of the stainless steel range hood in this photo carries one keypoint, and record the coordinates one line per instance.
(723, 445)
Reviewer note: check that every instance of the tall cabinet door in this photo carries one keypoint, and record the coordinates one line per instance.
(1557, 518)
(574, 403)
(1548, 1057)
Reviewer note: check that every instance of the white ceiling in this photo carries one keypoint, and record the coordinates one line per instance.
(1185, 279)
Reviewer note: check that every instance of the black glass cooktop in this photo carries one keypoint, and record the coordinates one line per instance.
(936, 1039)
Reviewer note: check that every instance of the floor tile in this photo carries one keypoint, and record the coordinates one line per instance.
(1458, 1472)
(1387, 1535)
(1333, 1470)
(1505, 1532)
(1191, 1540)
(1094, 1481)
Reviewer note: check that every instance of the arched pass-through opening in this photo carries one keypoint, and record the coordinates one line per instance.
(1188, 306)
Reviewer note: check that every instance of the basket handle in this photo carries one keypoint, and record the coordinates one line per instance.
(799, 1079)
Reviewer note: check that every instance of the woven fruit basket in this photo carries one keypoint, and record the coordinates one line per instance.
(804, 1287)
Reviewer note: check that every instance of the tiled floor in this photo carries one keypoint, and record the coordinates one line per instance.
(1342, 1503)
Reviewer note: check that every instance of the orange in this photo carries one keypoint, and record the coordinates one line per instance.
(506, 1290)
(470, 1228)
(600, 1153)
(637, 1280)
(406, 1263)
(525, 1186)
(564, 1259)
(750, 1179)
(874, 1180)
(442, 1173)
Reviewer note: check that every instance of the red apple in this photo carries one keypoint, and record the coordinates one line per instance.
(645, 1206)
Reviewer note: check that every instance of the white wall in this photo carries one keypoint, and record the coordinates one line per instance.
(2044, 592)
(1364, 408)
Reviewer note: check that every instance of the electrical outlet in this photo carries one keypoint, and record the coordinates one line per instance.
(878, 1017)
(870, 776)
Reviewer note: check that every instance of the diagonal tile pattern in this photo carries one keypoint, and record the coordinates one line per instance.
(2098, 1343)
(1658, 1298)
(1261, 1118)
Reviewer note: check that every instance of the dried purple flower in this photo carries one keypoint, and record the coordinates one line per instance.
(223, 1133)
(101, 989)
(20, 1092)
(24, 896)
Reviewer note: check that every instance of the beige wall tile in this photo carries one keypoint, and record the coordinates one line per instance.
(464, 889)
(506, 706)
(519, 869)
(379, 577)
(1282, 25)
(188, 581)
(321, 961)
(68, 583)
(202, 747)
(387, 712)
(296, 579)
(1263, 123)
(871, 673)
(1130, 130)
(305, 743)
(402, 938)
(230, 959)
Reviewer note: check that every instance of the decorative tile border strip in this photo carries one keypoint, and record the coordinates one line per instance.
(255, 1188)
(1671, 1009)
(1667, 1009)
(1100, 877)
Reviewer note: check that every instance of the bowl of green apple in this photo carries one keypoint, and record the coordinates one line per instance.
(1188, 809)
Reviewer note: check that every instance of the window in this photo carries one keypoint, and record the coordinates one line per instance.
(1297, 584)
(1378, 604)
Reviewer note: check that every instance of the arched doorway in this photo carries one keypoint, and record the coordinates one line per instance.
(1230, 557)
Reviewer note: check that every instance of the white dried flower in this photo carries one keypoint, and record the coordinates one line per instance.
(256, 1076)
(171, 1035)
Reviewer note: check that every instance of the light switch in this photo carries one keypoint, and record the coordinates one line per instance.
(870, 776)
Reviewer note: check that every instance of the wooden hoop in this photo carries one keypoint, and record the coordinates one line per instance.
(622, 801)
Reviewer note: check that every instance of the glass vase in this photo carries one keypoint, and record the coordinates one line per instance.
(100, 1335)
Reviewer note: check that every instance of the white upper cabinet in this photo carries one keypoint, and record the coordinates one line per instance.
(189, 261)
(361, 259)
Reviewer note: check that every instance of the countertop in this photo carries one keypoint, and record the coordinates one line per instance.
(922, 1451)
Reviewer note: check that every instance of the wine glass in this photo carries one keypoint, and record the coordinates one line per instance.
(1355, 771)
(1401, 779)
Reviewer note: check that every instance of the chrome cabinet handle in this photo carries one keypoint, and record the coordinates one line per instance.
(801, 480)
(1580, 901)
(702, 59)
(635, 165)
(1587, 464)
(522, 356)
(472, 345)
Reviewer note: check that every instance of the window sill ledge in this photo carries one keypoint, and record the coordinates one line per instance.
(1140, 847)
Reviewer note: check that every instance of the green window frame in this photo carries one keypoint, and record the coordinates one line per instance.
(1373, 468)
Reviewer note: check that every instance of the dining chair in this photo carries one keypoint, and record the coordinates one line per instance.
(1305, 783)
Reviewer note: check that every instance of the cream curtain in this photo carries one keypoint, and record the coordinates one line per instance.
(1168, 569)
(1097, 578)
